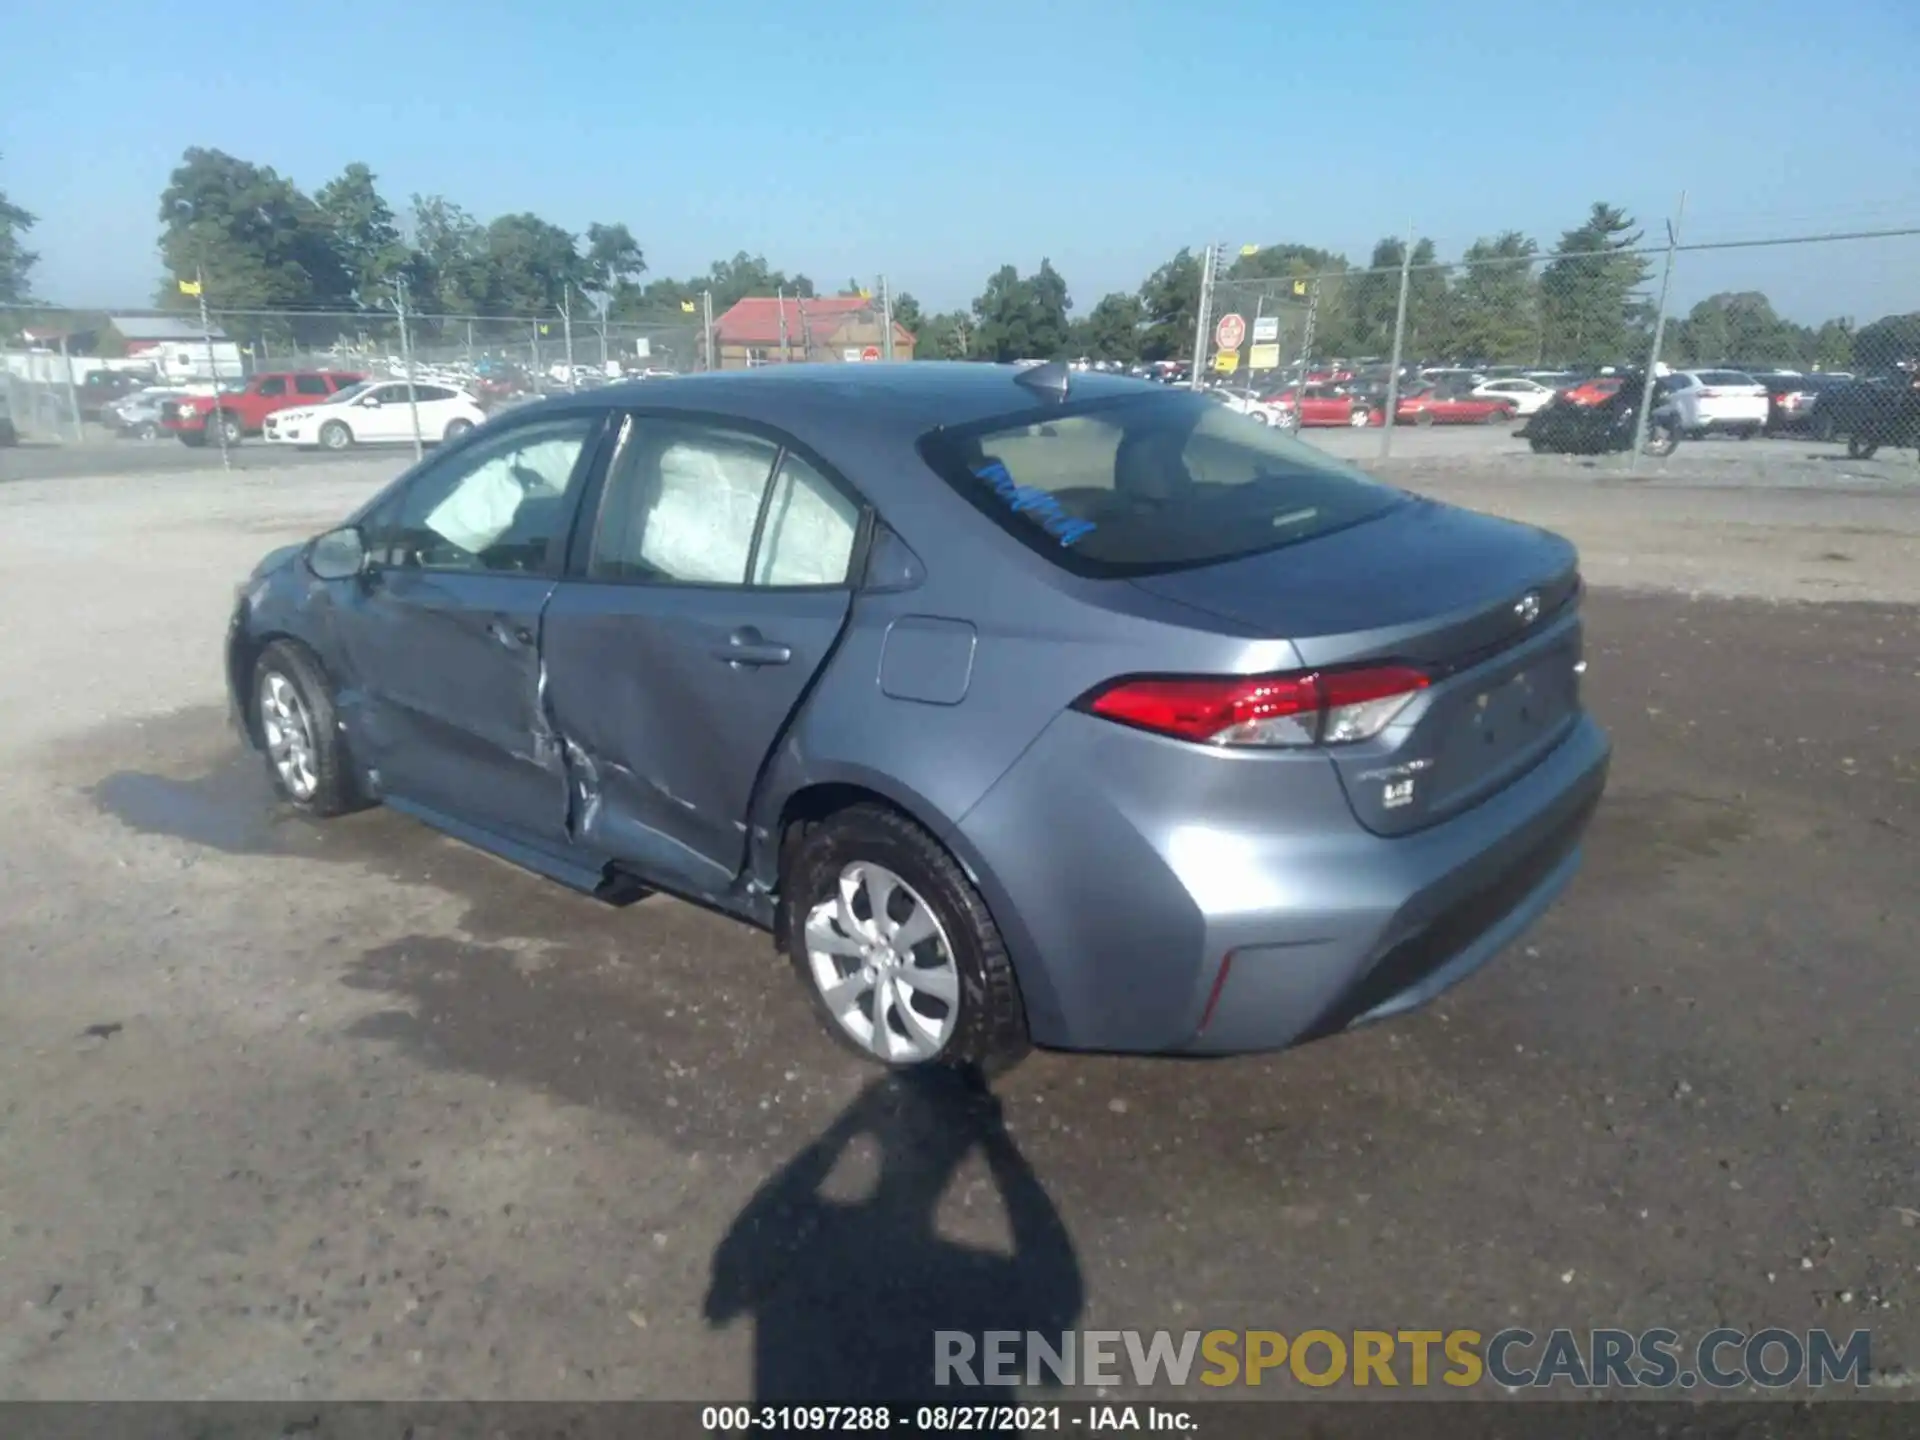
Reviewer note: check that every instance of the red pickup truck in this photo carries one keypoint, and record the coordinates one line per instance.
(199, 418)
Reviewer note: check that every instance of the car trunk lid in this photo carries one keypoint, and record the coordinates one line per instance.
(1485, 607)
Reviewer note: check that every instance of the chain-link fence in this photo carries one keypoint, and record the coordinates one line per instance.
(1583, 350)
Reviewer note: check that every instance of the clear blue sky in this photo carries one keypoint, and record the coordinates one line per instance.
(933, 141)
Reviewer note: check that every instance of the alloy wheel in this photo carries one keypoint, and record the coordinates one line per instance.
(883, 965)
(288, 731)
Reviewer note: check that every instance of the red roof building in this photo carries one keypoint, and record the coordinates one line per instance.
(835, 328)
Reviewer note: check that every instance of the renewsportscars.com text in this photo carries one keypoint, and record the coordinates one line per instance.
(1515, 1358)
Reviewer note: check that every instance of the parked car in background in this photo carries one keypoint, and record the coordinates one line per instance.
(1895, 422)
(1526, 395)
(242, 410)
(137, 416)
(1440, 405)
(1591, 389)
(1325, 404)
(1724, 402)
(1566, 426)
(377, 412)
(1790, 399)
(1847, 407)
(1246, 402)
(941, 674)
(102, 388)
(1453, 377)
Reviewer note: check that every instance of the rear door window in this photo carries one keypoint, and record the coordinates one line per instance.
(1150, 483)
(309, 385)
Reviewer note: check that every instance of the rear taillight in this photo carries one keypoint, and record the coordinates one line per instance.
(1328, 707)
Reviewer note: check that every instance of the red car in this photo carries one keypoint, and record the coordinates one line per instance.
(1428, 405)
(198, 418)
(1327, 405)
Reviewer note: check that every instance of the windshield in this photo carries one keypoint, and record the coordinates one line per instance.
(1150, 483)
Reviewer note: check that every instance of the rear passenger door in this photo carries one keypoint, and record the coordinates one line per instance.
(709, 579)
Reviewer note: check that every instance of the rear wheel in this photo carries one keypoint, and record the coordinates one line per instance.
(1859, 448)
(1360, 418)
(1660, 439)
(1494, 417)
(457, 428)
(903, 961)
(1423, 417)
(148, 431)
(1540, 447)
(334, 435)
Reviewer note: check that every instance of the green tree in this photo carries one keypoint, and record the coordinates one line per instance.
(947, 336)
(1740, 327)
(1170, 303)
(532, 265)
(1495, 317)
(1590, 311)
(1833, 345)
(734, 280)
(1022, 317)
(906, 313)
(260, 242)
(16, 261)
(1373, 299)
(1888, 341)
(366, 239)
(1112, 329)
(450, 258)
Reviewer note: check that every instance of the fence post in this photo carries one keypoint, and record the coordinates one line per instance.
(213, 368)
(706, 326)
(886, 319)
(1207, 266)
(566, 335)
(406, 363)
(537, 371)
(73, 398)
(1306, 353)
(1399, 341)
(1641, 420)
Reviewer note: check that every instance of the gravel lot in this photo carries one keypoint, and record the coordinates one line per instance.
(305, 1111)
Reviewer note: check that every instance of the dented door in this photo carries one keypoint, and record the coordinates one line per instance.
(713, 589)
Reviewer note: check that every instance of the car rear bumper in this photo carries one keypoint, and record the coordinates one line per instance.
(1169, 915)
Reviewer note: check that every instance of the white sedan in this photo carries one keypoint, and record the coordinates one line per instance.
(377, 412)
(1246, 402)
(1524, 395)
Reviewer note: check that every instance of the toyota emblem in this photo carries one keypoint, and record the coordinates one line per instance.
(1527, 608)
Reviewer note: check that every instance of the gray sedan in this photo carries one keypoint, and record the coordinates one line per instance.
(1021, 707)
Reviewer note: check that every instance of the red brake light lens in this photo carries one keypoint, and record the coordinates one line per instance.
(1262, 711)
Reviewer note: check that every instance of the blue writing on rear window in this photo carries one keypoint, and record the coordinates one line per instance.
(1040, 504)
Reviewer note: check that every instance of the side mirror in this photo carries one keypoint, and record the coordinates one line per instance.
(339, 554)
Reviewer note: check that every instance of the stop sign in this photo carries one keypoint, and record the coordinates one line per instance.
(1230, 332)
(872, 352)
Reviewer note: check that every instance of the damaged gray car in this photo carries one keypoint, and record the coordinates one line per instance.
(1022, 707)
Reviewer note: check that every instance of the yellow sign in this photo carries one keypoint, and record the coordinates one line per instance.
(686, 306)
(1249, 249)
(1299, 287)
(189, 287)
(1226, 361)
(1264, 357)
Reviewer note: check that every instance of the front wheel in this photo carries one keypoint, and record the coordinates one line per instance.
(897, 949)
(1540, 447)
(229, 430)
(1859, 448)
(457, 428)
(1660, 440)
(1424, 417)
(335, 436)
(1360, 419)
(295, 724)
(148, 431)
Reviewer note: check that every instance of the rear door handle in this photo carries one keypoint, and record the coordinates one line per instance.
(747, 646)
(514, 637)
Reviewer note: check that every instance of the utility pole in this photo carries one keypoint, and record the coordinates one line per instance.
(1259, 305)
(603, 305)
(406, 362)
(1399, 339)
(886, 320)
(706, 326)
(566, 333)
(1641, 420)
(780, 300)
(213, 367)
(1207, 267)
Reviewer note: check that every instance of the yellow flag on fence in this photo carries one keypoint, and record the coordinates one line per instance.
(1299, 287)
(189, 287)
(687, 306)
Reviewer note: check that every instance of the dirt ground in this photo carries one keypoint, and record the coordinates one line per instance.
(296, 1111)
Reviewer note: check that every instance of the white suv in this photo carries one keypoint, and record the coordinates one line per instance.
(1730, 401)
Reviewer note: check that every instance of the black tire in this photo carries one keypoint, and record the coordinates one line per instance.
(1859, 448)
(1540, 447)
(1823, 429)
(335, 436)
(990, 1030)
(230, 425)
(335, 790)
(1660, 440)
(457, 428)
(193, 439)
(148, 431)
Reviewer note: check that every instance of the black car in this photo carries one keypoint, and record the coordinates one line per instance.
(1566, 427)
(1893, 421)
(1851, 407)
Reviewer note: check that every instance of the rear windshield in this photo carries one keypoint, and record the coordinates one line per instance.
(1725, 377)
(1150, 483)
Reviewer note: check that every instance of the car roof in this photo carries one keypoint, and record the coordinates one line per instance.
(908, 398)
